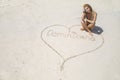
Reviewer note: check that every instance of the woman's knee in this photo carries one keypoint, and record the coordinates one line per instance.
(91, 26)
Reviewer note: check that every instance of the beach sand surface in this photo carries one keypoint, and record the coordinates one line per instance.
(41, 40)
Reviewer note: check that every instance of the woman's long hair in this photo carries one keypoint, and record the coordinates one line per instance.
(87, 5)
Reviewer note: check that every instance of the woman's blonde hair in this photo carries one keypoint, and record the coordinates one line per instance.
(87, 5)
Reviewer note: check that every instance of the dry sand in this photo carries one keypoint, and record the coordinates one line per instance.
(41, 40)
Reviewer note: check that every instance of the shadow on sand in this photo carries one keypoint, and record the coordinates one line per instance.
(97, 30)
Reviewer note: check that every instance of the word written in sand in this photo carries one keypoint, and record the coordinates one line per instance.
(71, 35)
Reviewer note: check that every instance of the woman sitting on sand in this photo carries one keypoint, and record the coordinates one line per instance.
(88, 18)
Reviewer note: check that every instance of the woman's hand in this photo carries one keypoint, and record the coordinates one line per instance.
(90, 21)
(85, 19)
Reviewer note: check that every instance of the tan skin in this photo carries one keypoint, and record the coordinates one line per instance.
(89, 22)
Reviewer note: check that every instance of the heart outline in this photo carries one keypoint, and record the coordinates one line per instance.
(71, 57)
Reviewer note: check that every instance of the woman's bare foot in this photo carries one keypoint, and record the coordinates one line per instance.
(90, 33)
(82, 29)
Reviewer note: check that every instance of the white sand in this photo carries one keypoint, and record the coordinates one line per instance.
(27, 53)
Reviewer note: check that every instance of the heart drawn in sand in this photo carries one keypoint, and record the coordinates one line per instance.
(70, 42)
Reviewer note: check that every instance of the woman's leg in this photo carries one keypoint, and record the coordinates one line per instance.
(85, 27)
(90, 26)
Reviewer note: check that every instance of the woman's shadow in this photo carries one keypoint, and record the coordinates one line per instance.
(97, 30)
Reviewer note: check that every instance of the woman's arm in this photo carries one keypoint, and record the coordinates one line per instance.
(83, 17)
(92, 21)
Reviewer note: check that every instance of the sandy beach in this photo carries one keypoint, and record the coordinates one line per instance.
(42, 40)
